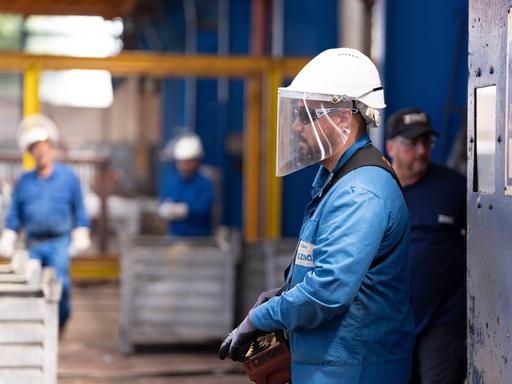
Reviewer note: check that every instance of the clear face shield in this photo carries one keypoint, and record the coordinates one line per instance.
(310, 128)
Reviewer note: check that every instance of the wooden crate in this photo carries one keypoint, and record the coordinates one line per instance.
(178, 290)
(29, 299)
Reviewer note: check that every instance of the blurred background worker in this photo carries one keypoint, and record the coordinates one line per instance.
(47, 204)
(187, 201)
(436, 196)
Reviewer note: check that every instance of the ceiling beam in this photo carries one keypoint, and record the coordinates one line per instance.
(108, 9)
(156, 64)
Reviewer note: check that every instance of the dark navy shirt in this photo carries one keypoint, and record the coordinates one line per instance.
(50, 206)
(437, 204)
(197, 193)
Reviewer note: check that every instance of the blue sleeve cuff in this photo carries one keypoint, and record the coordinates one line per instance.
(12, 227)
(262, 319)
(83, 222)
(12, 222)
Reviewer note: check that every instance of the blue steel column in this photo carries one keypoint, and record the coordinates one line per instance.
(426, 61)
(308, 30)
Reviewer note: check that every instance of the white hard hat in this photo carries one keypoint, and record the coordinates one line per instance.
(341, 74)
(35, 128)
(340, 81)
(188, 147)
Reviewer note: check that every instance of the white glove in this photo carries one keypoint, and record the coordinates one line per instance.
(172, 211)
(80, 241)
(7, 241)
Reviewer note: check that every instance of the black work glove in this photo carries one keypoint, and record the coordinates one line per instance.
(237, 343)
(267, 295)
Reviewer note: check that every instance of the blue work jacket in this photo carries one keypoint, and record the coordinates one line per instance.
(47, 207)
(197, 193)
(346, 311)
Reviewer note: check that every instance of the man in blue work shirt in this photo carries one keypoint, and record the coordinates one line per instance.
(188, 198)
(436, 196)
(47, 204)
(345, 305)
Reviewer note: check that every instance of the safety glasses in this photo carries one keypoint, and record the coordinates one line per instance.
(427, 141)
(308, 115)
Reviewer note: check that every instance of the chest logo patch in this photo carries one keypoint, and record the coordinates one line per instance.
(444, 219)
(304, 255)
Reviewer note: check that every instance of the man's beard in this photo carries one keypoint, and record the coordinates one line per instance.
(418, 166)
(305, 150)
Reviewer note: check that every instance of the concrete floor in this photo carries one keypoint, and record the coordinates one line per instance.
(89, 351)
(199, 379)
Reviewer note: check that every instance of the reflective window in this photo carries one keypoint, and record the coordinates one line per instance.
(485, 124)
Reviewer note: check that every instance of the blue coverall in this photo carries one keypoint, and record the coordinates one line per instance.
(197, 193)
(346, 311)
(48, 209)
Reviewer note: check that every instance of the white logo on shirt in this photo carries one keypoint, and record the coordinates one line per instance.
(305, 254)
(443, 219)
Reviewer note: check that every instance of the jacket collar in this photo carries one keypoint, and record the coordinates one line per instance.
(323, 175)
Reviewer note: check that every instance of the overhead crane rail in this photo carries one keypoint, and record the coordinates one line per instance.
(156, 64)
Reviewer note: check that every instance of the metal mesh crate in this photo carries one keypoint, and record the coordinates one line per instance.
(262, 268)
(176, 290)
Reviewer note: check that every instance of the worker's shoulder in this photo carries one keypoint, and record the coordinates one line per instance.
(373, 179)
(205, 178)
(198, 179)
(368, 183)
(64, 170)
(27, 176)
(441, 172)
(60, 170)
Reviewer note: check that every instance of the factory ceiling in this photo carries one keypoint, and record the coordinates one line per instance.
(107, 9)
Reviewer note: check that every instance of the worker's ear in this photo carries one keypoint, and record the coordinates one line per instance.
(390, 148)
(342, 119)
(346, 118)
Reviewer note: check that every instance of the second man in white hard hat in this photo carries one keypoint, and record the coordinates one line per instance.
(188, 198)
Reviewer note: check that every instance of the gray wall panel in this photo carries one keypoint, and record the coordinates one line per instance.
(489, 215)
